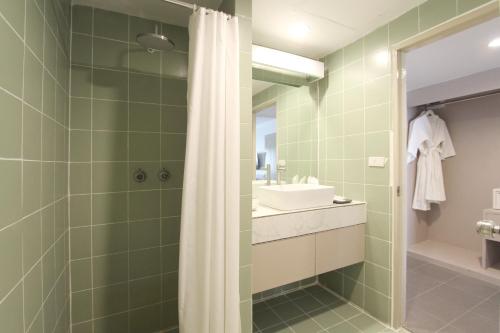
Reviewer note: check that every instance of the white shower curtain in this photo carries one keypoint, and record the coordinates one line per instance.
(209, 299)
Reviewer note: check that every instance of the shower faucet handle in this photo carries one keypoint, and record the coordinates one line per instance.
(140, 176)
(163, 175)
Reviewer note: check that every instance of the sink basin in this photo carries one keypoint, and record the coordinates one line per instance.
(296, 196)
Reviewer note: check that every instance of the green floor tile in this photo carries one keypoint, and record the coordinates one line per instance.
(287, 311)
(265, 319)
(304, 325)
(326, 318)
(366, 324)
(345, 327)
(307, 303)
(346, 311)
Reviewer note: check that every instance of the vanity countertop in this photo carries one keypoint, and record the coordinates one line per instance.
(264, 211)
(270, 224)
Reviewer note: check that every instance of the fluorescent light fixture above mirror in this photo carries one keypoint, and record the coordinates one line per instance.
(287, 64)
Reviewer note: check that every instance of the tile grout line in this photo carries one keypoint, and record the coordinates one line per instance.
(446, 282)
(92, 312)
(23, 92)
(128, 168)
(68, 158)
(470, 310)
(162, 291)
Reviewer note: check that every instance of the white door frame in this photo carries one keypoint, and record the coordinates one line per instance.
(398, 146)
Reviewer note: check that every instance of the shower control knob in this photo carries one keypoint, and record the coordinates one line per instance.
(163, 175)
(140, 176)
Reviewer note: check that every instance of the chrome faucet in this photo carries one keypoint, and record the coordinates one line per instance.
(280, 168)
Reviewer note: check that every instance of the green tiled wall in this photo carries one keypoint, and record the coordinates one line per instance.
(355, 123)
(285, 289)
(243, 10)
(128, 111)
(34, 231)
(297, 120)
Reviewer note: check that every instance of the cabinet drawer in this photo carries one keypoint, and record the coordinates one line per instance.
(339, 248)
(283, 261)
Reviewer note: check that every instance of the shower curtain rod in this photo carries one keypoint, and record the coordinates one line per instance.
(460, 99)
(181, 3)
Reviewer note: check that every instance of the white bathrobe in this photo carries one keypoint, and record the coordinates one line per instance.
(429, 135)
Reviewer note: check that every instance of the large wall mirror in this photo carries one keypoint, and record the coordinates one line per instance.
(285, 131)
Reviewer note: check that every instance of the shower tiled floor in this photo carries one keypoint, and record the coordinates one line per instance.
(312, 310)
(444, 301)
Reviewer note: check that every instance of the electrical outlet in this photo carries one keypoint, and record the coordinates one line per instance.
(377, 161)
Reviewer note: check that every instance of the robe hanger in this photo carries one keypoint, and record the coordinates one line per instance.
(428, 112)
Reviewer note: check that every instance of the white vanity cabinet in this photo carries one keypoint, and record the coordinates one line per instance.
(283, 261)
(339, 248)
(338, 241)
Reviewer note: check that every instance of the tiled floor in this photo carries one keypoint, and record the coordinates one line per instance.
(444, 301)
(312, 310)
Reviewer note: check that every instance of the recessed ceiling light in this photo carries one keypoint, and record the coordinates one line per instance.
(495, 43)
(298, 30)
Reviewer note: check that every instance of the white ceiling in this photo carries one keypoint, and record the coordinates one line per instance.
(332, 23)
(453, 57)
(157, 10)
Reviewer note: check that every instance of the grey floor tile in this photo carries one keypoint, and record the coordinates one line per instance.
(420, 321)
(450, 329)
(326, 318)
(436, 272)
(297, 294)
(281, 328)
(322, 295)
(287, 311)
(411, 292)
(265, 319)
(366, 324)
(473, 323)
(304, 325)
(440, 300)
(311, 310)
(413, 263)
(345, 310)
(260, 306)
(307, 303)
(490, 309)
(473, 286)
(277, 300)
(345, 327)
(418, 283)
(445, 303)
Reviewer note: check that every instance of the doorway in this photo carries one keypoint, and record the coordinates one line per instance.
(439, 283)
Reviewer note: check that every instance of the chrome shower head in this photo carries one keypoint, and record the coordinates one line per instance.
(155, 42)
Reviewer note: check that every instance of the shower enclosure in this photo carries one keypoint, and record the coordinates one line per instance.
(128, 125)
(92, 158)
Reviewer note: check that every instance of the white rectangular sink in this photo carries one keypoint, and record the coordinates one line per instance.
(296, 196)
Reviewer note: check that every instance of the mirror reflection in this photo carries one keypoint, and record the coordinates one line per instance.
(265, 142)
(285, 132)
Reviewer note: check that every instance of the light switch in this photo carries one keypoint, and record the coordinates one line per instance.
(377, 161)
